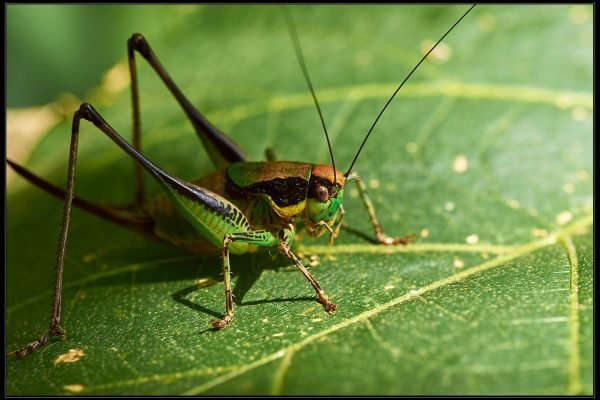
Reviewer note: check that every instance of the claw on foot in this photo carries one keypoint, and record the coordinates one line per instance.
(388, 240)
(330, 307)
(327, 304)
(221, 323)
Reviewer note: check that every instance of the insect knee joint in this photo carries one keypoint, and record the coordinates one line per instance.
(138, 42)
(88, 112)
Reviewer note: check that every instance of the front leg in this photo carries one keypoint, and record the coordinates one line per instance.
(285, 239)
(382, 238)
(263, 238)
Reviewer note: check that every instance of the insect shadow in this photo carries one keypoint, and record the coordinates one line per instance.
(246, 278)
(182, 267)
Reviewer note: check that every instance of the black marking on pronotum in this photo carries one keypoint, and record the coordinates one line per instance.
(284, 191)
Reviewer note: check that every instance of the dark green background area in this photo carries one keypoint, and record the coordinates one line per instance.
(53, 49)
(510, 314)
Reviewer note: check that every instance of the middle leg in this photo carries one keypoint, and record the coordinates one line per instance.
(284, 247)
(256, 238)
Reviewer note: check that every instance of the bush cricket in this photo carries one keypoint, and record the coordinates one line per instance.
(241, 207)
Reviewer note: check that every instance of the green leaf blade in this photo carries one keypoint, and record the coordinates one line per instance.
(486, 157)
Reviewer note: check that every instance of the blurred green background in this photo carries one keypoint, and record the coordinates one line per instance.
(51, 49)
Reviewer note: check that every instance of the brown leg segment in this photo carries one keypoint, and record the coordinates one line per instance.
(220, 148)
(379, 233)
(55, 330)
(137, 136)
(87, 112)
(258, 238)
(222, 323)
(323, 298)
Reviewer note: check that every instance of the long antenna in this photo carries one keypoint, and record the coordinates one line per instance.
(294, 35)
(399, 87)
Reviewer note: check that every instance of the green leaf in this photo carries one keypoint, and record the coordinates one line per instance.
(486, 155)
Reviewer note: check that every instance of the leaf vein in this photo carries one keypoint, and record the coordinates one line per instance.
(574, 385)
(500, 260)
(281, 371)
(445, 88)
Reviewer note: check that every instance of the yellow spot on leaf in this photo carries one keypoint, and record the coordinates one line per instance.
(424, 233)
(411, 147)
(205, 282)
(72, 356)
(374, 183)
(314, 260)
(74, 388)
(460, 164)
(564, 217)
(512, 203)
(439, 55)
(458, 263)
(472, 239)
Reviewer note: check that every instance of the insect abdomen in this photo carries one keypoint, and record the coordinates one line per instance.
(209, 213)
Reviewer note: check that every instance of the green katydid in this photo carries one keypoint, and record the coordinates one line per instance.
(241, 207)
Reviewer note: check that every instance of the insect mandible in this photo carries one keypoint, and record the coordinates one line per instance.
(240, 208)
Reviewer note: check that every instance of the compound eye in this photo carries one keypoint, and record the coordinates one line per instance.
(322, 193)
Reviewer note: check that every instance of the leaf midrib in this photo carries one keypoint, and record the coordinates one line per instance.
(560, 235)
